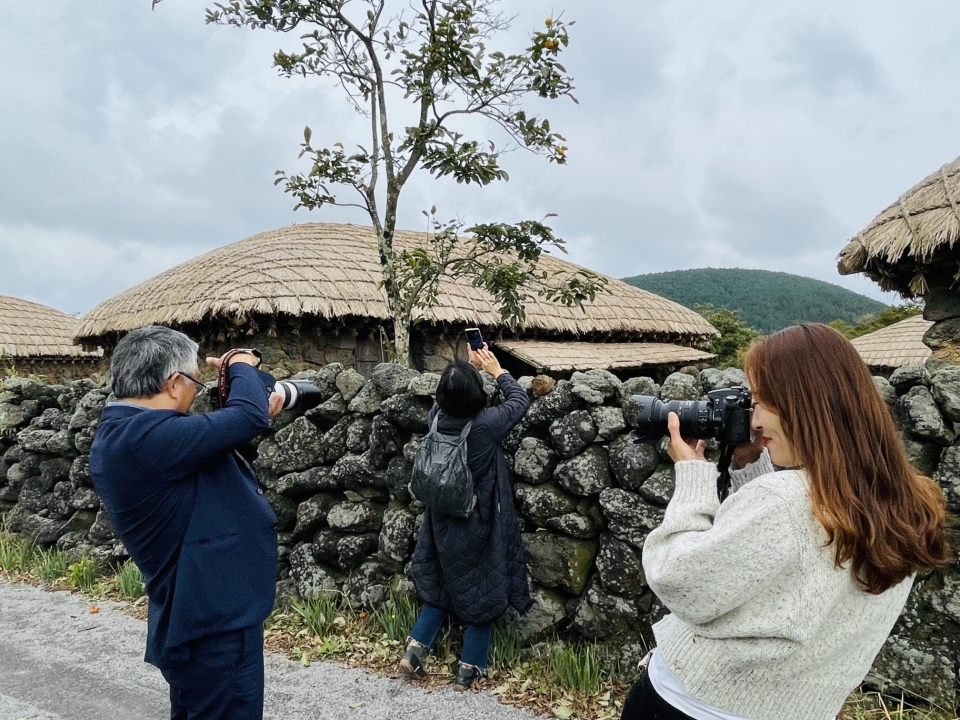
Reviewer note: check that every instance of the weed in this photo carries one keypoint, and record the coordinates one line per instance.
(396, 616)
(83, 574)
(130, 580)
(318, 614)
(505, 644)
(49, 565)
(15, 553)
(577, 669)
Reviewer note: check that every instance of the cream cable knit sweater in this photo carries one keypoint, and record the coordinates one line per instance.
(763, 624)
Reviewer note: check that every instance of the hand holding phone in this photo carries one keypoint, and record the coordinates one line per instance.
(474, 338)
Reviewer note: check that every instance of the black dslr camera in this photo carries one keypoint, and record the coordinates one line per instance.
(725, 415)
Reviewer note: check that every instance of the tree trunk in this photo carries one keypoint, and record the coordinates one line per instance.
(401, 340)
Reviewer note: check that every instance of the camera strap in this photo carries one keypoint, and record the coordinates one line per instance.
(223, 377)
(723, 481)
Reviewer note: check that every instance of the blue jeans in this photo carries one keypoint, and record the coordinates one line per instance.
(476, 639)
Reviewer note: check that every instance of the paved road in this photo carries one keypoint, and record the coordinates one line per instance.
(59, 662)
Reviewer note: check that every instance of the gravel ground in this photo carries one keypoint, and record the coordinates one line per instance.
(59, 662)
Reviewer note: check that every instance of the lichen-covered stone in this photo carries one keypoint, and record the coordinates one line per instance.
(11, 416)
(542, 502)
(358, 435)
(600, 615)
(355, 517)
(407, 411)
(299, 446)
(352, 549)
(680, 386)
(553, 406)
(917, 413)
(619, 567)
(572, 433)
(713, 379)
(102, 532)
(629, 517)
(43, 531)
(424, 385)
(58, 501)
(542, 385)
(559, 561)
(303, 484)
(885, 389)
(638, 386)
(909, 376)
(924, 668)
(945, 386)
(535, 460)
(327, 413)
(610, 422)
(595, 387)
(355, 472)
(574, 524)
(659, 487)
(312, 513)
(367, 401)
(34, 439)
(349, 382)
(310, 579)
(334, 440)
(384, 438)
(88, 409)
(631, 461)
(80, 472)
(55, 470)
(284, 508)
(947, 475)
(84, 498)
(547, 614)
(586, 474)
(392, 379)
(925, 457)
(62, 443)
(396, 535)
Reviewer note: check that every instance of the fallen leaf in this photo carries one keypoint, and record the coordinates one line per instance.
(354, 706)
(94, 610)
(563, 711)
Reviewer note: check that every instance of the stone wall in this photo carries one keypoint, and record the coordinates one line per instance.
(588, 493)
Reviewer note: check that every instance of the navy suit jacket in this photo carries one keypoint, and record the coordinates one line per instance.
(191, 513)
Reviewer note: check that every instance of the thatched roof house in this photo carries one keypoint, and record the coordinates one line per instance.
(322, 280)
(911, 248)
(895, 345)
(38, 340)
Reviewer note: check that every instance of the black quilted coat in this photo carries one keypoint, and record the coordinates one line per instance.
(473, 567)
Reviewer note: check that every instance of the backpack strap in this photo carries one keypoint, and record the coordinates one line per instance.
(466, 430)
(433, 425)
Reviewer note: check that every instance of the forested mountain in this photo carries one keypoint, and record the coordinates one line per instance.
(767, 301)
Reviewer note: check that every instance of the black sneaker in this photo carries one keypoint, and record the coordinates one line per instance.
(411, 666)
(466, 676)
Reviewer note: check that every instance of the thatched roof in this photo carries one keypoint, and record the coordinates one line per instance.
(559, 357)
(333, 271)
(895, 345)
(912, 238)
(31, 330)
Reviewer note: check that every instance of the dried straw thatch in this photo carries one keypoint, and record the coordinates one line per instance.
(895, 345)
(333, 271)
(560, 357)
(31, 330)
(912, 238)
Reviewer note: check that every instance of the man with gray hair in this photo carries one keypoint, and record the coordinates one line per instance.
(190, 511)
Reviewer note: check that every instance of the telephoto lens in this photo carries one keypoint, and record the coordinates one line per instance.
(298, 395)
(724, 415)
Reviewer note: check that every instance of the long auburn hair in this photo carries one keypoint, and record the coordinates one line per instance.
(880, 515)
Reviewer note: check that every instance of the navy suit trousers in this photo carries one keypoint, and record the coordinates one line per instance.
(219, 677)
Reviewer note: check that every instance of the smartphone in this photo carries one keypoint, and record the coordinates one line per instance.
(474, 338)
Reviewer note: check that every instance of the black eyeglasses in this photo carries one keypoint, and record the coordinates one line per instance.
(200, 385)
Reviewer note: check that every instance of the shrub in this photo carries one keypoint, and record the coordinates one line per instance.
(83, 574)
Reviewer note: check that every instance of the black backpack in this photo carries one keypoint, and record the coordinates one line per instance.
(441, 478)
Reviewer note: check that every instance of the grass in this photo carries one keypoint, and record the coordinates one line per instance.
(320, 614)
(396, 616)
(82, 575)
(49, 565)
(130, 581)
(578, 668)
(505, 644)
(15, 553)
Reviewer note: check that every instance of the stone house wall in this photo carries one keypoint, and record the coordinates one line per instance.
(586, 490)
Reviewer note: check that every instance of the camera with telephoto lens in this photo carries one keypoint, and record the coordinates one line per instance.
(298, 395)
(724, 415)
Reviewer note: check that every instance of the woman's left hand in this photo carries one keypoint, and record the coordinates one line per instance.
(679, 448)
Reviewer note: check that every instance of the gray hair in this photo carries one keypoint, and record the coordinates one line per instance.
(146, 357)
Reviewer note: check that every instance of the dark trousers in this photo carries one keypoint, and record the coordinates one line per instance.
(476, 639)
(219, 677)
(643, 703)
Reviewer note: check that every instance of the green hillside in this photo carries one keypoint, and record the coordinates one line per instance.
(767, 301)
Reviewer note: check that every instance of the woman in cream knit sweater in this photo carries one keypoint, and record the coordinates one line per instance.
(781, 597)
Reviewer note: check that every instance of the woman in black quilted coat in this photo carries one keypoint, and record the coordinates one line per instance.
(472, 567)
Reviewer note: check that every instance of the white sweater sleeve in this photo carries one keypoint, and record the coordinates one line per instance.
(706, 559)
(763, 466)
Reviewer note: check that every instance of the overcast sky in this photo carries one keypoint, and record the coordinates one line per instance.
(722, 134)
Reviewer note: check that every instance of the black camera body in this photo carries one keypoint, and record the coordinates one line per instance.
(298, 395)
(725, 415)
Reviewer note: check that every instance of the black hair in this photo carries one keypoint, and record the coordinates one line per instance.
(460, 392)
